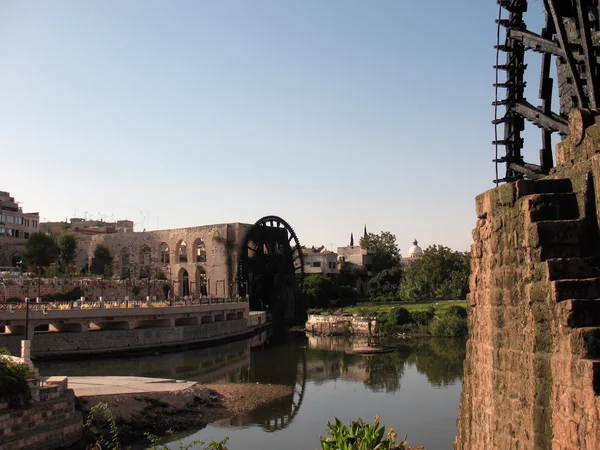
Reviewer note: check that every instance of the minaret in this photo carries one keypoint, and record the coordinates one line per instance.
(351, 240)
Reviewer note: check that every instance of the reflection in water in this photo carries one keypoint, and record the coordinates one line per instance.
(308, 363)
(440, 360)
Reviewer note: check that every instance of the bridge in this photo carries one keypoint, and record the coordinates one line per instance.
(94, 327)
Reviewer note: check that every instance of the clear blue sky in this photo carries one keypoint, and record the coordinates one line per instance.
(330, 114)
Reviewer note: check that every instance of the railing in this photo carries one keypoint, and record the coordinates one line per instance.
(119, 304)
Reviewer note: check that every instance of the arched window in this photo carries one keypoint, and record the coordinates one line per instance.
(200, 251)
(145, 262)
(183, 252)
(164, 253)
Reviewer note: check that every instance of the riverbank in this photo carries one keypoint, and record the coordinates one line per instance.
(142, 405)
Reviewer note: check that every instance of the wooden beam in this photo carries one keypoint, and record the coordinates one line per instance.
(589, 59)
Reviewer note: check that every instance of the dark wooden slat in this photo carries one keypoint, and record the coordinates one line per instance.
(586, 43)
(561, 35)
(535, 42)
(551, 122)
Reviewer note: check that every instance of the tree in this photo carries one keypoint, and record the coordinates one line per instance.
(387, 253)
(40, 250)
(319, 290)
(102, 260)
(440, 274)
(67, 245)
(386, 282)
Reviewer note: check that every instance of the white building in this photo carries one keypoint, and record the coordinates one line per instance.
(414, 253)
(323, 262)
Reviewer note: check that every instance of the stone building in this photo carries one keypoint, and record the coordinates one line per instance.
(197, 260)
(87, 227)
(15, 227)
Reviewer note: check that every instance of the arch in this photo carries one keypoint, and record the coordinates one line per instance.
(201, 282)
(125, 264)
(16, 259)
(163, 251)
(182, 252)
(81, 261)
(145, 261)
(183, 281)
(199, 250)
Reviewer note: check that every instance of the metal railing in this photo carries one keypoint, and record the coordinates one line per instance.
(112, 304)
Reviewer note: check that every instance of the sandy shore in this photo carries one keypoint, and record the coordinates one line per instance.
(190, 408)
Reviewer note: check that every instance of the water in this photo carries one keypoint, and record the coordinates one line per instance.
(415, 389)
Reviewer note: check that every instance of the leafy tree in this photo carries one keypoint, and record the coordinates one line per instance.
(40, 250)
(319, 290)
(67, 245)
(102, 260)
(386, 282)
(387, 253)
(440, 274)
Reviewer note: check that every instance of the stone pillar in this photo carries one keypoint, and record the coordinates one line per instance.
(26, 350)
(101, 302)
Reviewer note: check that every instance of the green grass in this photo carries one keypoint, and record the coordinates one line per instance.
(440, 306)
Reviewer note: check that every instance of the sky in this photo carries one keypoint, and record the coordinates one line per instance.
(330, 114)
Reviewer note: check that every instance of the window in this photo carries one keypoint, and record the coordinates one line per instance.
(316, 264)
(164, 253)
(200, 251)
(183, 252)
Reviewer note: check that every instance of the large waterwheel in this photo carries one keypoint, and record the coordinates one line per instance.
(571, 37)
(271, 269)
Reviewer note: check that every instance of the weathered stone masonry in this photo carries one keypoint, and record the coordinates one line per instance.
(532, 374)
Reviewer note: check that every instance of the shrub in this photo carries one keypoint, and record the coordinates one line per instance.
(360, 436)
(160, 275)
(399, 316)
(421, 317)
(457, 311)
(14, 388)
(449, 326)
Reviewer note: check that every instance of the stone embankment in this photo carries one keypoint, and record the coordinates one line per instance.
(340, 324)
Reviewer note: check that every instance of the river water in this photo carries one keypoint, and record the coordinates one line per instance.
(415, 389)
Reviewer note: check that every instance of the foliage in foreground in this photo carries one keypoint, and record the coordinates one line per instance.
(14, 388)
(101, 415)
(360, 436)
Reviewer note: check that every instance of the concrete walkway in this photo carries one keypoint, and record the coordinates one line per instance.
(90, 386)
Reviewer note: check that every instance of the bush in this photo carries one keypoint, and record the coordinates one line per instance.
(449, 326)
(399, 316)
(360, 435)
(14, 388)
(387, 299)
(421, 317)
(457, 311)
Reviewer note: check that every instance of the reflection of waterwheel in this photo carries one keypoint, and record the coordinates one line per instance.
(280, 421)
(271, 268)
(570, 37)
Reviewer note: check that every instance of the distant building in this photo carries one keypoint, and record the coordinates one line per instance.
(414, 253)
(357, 255)
(87, 227)
(323, 262)
(14, 223)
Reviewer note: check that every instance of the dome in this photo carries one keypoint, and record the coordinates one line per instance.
(415, 251)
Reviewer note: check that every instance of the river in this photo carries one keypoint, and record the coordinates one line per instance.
(415, 389)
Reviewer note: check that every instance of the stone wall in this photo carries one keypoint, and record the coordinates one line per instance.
(335, 325)
(105, 341)
(50, 422)
(532, 375)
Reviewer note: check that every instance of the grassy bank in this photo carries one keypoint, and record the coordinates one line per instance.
(441, 318)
